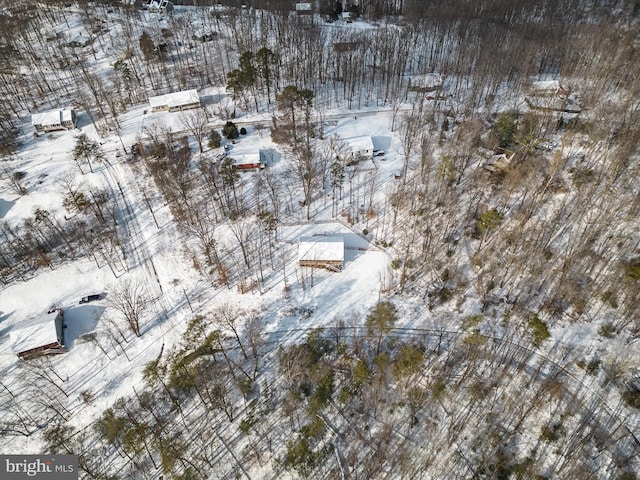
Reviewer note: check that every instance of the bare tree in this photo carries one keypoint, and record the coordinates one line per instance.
(131, 298)
(14, 181)
(195, 121)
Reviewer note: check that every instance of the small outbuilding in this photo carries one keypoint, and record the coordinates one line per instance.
(175, 102)
(39, 336)
(320, 251)
(53, 120)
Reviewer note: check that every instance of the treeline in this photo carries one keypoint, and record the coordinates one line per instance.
(485, 46)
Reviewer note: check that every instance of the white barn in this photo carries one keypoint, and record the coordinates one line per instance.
(175, 102)
(321, 252)
(40, 335)
(52, 120)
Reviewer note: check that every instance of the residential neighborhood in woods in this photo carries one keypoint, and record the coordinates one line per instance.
(364, 239)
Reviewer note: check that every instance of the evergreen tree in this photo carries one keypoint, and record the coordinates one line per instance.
(214, 139)
(230, 131)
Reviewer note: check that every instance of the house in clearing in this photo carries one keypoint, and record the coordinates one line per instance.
(430, 82)
(547, 88)
(249, 161)
(39, 336)
(320, 251)
(358, 149)
(175, 102)
(551, 95)
(53, 120)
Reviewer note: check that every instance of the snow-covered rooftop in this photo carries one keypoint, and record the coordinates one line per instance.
(175, 99)
(303, 7)
(51, 117)
(427, 81)
(322, 248)
(360, 143)
(66, 115)
(35, 332)
(246, 159)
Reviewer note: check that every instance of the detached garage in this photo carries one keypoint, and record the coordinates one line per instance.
(39, 336)
(321, 252)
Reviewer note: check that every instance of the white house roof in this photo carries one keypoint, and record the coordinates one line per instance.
(303, 7)
(321, 248)
(66, 115)
(359, 144)
(175, 99)
(51, 117)
(34, 333)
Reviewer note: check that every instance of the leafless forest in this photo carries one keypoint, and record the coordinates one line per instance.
(545, 242)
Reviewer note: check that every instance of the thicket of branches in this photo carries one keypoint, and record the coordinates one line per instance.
(363, 400)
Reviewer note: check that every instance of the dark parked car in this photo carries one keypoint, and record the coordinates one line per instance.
(90, 298)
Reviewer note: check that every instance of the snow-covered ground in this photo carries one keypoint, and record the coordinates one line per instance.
(163, 265)
(104, 366)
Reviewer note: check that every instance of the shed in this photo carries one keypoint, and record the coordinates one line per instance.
(552, 96)
(54, 120)
(39, 336)
(320, 251)
(176, 101)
